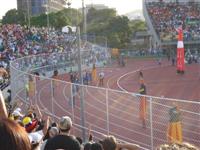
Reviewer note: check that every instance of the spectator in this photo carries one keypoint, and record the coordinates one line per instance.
(87, 146)
(96, 146)
(17, 115)
(13, 136)
(110, 143)
(53, 131)
(64, 140)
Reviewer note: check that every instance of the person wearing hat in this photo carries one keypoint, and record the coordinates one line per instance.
(29, 124)
(16, 115)
(64, 140)
(143, 102)
(174, 131)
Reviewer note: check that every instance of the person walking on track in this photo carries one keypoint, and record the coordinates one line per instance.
(101, 78)
(94, 73)
(143, 103)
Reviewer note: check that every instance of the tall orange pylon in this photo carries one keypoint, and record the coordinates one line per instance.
(180, 52)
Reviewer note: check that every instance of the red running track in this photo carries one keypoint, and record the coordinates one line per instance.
(123, 108)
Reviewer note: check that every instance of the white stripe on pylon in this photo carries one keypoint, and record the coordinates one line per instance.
(180, 44)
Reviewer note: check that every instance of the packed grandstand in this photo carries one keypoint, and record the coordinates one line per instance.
(167, 17)
(59, 50)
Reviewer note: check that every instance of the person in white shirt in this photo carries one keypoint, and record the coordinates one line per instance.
(101, 77)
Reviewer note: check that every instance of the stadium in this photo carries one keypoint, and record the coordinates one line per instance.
(75, 85)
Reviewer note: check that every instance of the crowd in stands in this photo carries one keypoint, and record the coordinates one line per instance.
(168, 16)
(18, 41)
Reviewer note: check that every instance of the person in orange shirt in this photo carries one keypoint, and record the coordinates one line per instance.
(143, 103)
(94, 73)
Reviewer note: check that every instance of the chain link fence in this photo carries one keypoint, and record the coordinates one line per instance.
(133, 118)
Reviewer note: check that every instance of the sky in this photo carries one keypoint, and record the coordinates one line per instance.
(122, 6)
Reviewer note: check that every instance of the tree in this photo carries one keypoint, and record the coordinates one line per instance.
(102, 15)
(114, 40)
(14, 16)
(138, 25)
(105, 22)
(39, 21)
(58, 19)
(120, 26)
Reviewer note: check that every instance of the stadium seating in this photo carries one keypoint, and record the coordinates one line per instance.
(167, 17)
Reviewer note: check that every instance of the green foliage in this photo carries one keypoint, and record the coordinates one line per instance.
(39, 21)
(106, 23)
(100, 16)
(98, 20)
(114, 40)
(58, 19)
(119, 26)
(138, 25)
(13, 16)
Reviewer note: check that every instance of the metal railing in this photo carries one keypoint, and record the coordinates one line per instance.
(107, 111)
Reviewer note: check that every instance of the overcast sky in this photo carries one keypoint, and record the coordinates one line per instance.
(122, 6)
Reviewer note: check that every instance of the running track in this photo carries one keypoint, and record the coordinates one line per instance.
(123, 108)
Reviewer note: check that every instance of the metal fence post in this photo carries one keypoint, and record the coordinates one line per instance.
(151, 121)
(72, 102)
(107, 113)
(52, 96)
(81, 87)
(36, 102)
